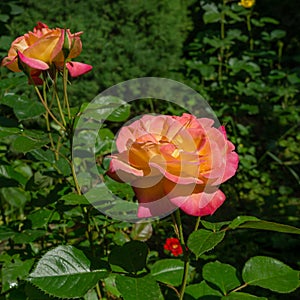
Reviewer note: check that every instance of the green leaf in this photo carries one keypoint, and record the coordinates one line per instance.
(91, 295)
(13, 271)
(242, 296)
(293, 78)
(201, 290)
(104, 141)
(203, 240)
(8, 131)
(141, 231)
(99, 196)
(27, 109)
(4, 18)
(120, 114)
(25, 144)
(15, 9)
(43, 155)
(231, 14)
(15, 196)
(214, 226)
(240, 220)
(6, 233)
(13, 174)
(122, 190)
(131, 256)
(250, 109)
(211, 15)
(144, 288)
(110, 285)
(74, 199)
(63, 166)
(24, 108)
(207, 71)
(28, 236)
(107, 108)
(169, 271)
(269, 20)
(222, 275)
(270, 273)
(265, 225)
(8, 83)
(277, 34)
(120, 238)
(255, 223)
(257, 23)
(65, 272)
(34, 293)
(40, 218)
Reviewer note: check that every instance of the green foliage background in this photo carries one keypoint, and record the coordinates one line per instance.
(254, 91)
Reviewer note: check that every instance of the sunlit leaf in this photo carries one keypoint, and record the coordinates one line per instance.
(270, 273)
(65, 272)
(141, 231)
(169, 271)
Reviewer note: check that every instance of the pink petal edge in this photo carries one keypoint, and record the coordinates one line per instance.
(201, 204)
(32, 62)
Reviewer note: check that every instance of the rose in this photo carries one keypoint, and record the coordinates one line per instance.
(37, 51)
(174, 162)
(173, 245)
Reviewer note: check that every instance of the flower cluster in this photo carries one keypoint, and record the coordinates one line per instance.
(173, 162)
(173, 245)
(45, 49)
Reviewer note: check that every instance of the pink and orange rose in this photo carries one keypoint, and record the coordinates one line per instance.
(42, 48)
(174, 162)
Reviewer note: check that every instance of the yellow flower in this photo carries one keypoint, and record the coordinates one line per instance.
(247, 3)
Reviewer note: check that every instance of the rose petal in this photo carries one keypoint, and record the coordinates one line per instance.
(152, 201)
(180, 177)
(122, 172)
(232, 161)
(77, 68)
(75, 45)
(11, 63)
(200, 204)
(160, 208)
(223, 130)
(58, 47)
(40, 26)
(151, 194)
(46, 47)
(32, 62)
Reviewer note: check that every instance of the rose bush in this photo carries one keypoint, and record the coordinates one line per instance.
(44, 48)
(174, 162)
